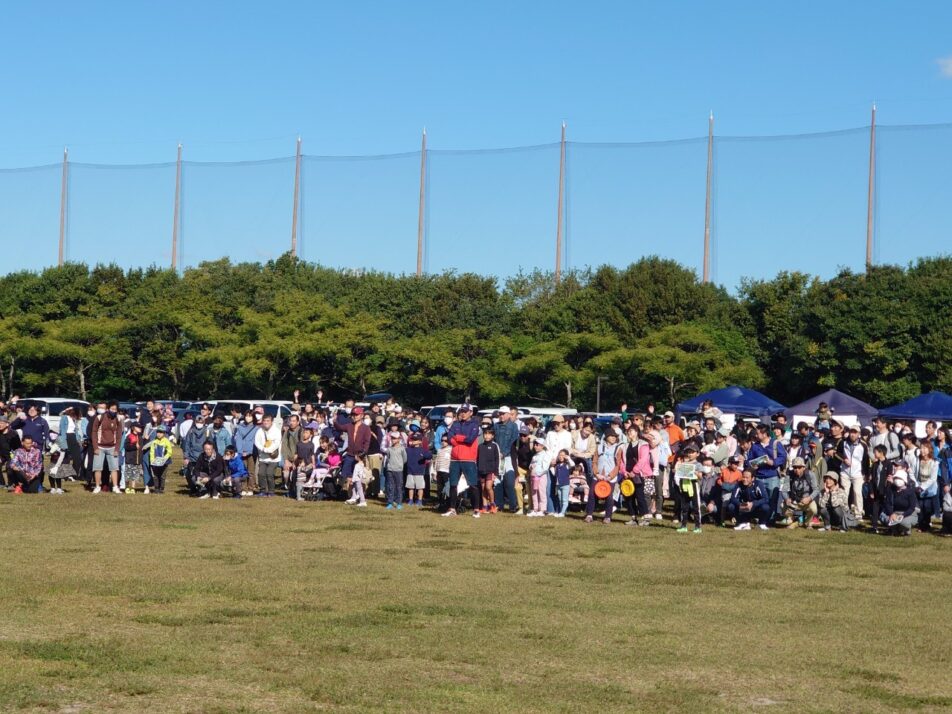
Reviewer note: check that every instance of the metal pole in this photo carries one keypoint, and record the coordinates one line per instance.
(175, 211)
(297, 193)
(871, 191)
(598, 395)
(558, 229)
(706, 269)
(63, 198)
(421, 217)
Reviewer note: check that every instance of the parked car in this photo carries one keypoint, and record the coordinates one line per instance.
(51, 407)
(436, 413)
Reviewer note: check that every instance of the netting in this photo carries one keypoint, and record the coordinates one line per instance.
(361, 212)
(237, 210)
(626, 201)
(778, 203)
(789, 203)
(913, 204)
(120, 214)
(492, 212)
(29, 217)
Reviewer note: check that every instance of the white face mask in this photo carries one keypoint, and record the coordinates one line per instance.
(91, 412)
(448, 420)
(100, 411)
(367, 421)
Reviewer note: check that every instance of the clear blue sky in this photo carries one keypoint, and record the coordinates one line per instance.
(124, 82)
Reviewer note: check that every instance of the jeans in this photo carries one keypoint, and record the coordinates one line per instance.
(763, 515)
(772, 486)
(927, 506)
(467, 469)
(551, 494)
(505, 490)
(563, 499)
(395, 487)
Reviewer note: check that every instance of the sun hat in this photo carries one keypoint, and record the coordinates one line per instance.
(797, 462)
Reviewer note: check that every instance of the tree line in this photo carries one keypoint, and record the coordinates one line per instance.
(650, 331)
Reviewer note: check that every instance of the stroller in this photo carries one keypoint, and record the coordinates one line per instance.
(324, 485)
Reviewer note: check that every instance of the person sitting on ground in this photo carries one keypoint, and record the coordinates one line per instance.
(800, 502)
(750, 500)
(727, 483)
(26, 467)
(900, 506)
(833, 504)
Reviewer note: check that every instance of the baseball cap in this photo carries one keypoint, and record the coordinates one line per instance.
(160, 427)
(798, 462)
(827, 445)
(503, 410)
(358, 411)
(668, 414)
(855, 428)
(734, 460)
(465, 408)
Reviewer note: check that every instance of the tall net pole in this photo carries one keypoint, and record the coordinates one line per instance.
(870, 195)
(560, 220)
(706, 268)
(177, 207)
(64, 196)
(297, 196)
(421, 210)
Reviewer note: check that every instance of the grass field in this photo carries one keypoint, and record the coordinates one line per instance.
(165, 603)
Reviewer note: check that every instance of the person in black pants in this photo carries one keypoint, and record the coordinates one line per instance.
(9, 442)
(881, 470)
(209, 470)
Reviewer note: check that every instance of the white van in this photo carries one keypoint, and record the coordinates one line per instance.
(51, 407)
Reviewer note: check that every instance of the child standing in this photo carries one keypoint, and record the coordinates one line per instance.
(131, 448)
(160, 453)
(560, 472)
(361, 474)
(488, 461)
(394, 463)
(441, 462)
(686, 478)
(418, 460)
(537, 469)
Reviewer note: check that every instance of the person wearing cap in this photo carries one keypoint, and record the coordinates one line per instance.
(687, 487)
(833, 504)
(557, 439)
(160, 456)
(771, 460)
(606, 470)
(853, 468)
(899, 510)
(799, 504)
(507, 436)
(464, 438)
(538, 475)
(728, 481)
(722, 448)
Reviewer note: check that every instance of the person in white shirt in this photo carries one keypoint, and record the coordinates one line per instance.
(851, 470)
(268, 444)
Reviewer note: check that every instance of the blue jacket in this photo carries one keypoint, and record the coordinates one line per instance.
(63, 425)
(245, 438)
(236, 467)
(506, 436)
(222, 439)
(753, 494)
(192, 443)
(774, 450)
(417, 458)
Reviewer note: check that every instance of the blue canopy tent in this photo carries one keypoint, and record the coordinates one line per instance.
(839, 402)
(734, 400)
(936, 406)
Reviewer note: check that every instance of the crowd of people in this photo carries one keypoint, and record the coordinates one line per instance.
(825, 474)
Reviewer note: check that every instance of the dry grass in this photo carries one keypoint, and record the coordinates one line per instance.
(164, 603)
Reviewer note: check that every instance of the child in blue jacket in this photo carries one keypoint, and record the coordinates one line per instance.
(236, 470)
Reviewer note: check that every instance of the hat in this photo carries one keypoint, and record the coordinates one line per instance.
(4, 419)
(558, 418)
(855, 428)
(694, 425)
(668, 414)
(899, 476)
(503, 410)
(830, 475)
(414, 428)
(616, 420)
(523, 430)
(464, 408)
(312, 425)
(827, 445)
(397, 408)
(539, 441)
(734, 460)
(357, 411)
(689, 449)
(160, 427)
(415, 436)
(798, 463)
(724, 431)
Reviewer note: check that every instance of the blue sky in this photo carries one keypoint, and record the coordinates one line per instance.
(124, 82)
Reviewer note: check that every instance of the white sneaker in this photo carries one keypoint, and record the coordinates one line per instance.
(204, 495)
(97, 490)
(762, 526)
(450, 512)
(215, 497)
(559, 515)
(350, 501)
(363, 504)
(116, 489)
(657, 516)
(742, 527)
(145, 490)
(475, 514)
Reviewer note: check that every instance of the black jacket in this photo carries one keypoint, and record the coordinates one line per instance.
(904, 502)
(9, 442)
(212, 465)
(488, 458)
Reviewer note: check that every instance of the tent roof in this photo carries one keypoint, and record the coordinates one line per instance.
(839, 402)
(934, 405)
(735, 400)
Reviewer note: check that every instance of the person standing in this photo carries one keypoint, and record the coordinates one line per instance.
(9, 442)
(268, 446)
(851, 473)
(770, 458)
(105, 431)
(464, 437)
(245, 432)
(507, 434)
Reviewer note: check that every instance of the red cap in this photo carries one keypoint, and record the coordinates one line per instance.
(358, 411)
